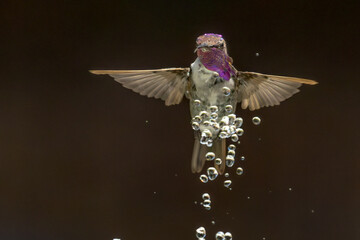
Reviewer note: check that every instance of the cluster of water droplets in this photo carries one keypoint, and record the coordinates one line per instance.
(206, 203)
(214, 122)
(201, 234)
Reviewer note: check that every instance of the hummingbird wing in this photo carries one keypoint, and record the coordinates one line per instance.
(168, 84)
(256, 90)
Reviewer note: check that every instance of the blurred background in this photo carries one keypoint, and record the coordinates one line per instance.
(81, 157)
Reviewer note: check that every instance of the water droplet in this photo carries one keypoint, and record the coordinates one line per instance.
(227, 183)
(234, 138)
(197, 103)
(239, 131)
(209, 143)
(227, 174)
(229, 161)
(231, 147)
(232, 118)
(206, 196)
(242, 158)
(218, 161)
(228, 236)
(197, 119)
(239, 171)
(216, 126)
(238, 122)
(207, 207)
(214, 116)
(204, 114)
(231, 153)
(232, 129)
(256, 120)
(224, 122)
(228, 108)
(207, 202)
(220, 236)
(210, 156)
(312, 210)
(226, 91)
(222, 135)
(214, 109)
(200, 232)
(207, 133)
(195, 126)
(257, 54)
(213, 222)
(204, 178)
(290, 189)
(212, 173)
(206, 123)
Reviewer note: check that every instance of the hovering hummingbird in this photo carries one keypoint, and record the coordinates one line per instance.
(213, 87)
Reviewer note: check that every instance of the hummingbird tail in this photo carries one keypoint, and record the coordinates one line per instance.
(200, 150)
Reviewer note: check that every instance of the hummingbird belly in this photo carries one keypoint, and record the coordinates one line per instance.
(211, 98)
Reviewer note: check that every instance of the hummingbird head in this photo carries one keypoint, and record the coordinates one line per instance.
(210, 40)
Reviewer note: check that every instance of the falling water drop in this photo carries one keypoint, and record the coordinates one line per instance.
(242, 158)
(206, 123)
(234, 138)
(256, 120)
(220, 236)
(205, 196)
(204, 114)
(227, 183)
(239, 132)
(210, 156)
(204, 178)
(238, 122)
(195, 126)
(231, 153)
(197, 102)
(197, 119)
(228, 236)
(231, 147)
(213, 115)
(200, 232)
(228, 108)
(229, 161)
(213, 109)
(218, 161)
(212, 173)
(239, 171)
(226, 91)
(232, 118)
(227, 175)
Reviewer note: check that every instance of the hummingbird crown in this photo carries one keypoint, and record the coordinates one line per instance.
(210, 40)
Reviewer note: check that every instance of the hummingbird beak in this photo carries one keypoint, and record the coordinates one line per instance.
(200, 46)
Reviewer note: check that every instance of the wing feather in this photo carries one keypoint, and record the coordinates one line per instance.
(258, 90)
(168, 84)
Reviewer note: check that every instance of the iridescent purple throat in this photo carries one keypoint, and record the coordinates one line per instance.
(215, 59)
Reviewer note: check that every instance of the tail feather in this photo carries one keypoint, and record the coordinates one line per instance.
(200, 150)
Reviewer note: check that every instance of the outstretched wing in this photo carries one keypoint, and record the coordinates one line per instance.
(258, 90)
(168, 84)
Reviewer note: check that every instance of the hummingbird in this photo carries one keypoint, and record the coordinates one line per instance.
(214, 87)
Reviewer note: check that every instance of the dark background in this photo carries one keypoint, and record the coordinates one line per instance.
(79, 161)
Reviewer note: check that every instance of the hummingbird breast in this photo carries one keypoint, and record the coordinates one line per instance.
(209, 91)
(207, 85)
